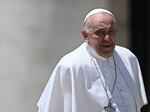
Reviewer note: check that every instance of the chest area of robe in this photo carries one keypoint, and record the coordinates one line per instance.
(96, 87)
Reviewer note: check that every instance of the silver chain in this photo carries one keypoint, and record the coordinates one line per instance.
(105, 88)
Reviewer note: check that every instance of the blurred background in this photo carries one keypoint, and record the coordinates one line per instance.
(35, 34)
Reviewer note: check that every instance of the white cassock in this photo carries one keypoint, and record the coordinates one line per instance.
(76, 86)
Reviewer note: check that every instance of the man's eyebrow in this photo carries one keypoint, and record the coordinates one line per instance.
(100, 28)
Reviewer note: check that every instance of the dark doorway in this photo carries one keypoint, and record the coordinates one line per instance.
(140, 40)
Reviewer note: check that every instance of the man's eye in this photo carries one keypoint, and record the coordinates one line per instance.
(100, 33)
(111, 32)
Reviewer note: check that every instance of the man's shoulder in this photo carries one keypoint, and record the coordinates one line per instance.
(75, 57)
(123, 51)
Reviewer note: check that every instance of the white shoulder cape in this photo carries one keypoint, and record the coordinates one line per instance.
(74, 85)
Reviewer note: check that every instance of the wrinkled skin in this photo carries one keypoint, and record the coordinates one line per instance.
(101, 34)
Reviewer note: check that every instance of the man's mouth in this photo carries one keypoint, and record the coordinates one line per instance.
(106, 46)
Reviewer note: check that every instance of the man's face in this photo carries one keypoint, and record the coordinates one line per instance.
(101, 35)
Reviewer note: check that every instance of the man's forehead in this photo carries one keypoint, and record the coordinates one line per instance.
(102, 27)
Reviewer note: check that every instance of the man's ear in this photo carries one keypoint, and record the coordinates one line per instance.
(85, 35)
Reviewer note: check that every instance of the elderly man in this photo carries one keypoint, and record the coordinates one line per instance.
(98, 76)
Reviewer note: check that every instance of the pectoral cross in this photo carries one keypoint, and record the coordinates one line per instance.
(110, 108)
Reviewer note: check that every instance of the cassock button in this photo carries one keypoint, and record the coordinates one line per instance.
(121, 90)
(127, 106)
(118, 83)
(111, 65)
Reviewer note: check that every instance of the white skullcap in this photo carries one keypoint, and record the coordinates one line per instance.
(94, 11)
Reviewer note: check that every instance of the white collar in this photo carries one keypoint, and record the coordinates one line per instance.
(94, 54)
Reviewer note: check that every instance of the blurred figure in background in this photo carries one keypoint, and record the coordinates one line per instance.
(98, 76)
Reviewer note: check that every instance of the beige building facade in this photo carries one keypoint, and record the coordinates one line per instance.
(34, 35)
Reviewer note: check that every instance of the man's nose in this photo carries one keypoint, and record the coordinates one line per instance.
(107, 37)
